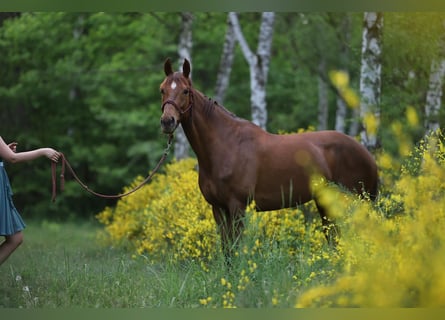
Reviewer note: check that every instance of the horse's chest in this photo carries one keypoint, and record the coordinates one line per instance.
(208, 189)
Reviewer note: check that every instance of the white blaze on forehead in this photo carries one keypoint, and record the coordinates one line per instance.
(173, 85)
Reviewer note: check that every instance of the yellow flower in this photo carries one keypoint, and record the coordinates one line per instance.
(340, 79)
(275, 301)
(275, 298)
(385, 161)
(205, 301)
(371, 123)
(411, 116)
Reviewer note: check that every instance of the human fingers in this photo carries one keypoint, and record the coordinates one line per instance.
(13, 146)
(55, 156)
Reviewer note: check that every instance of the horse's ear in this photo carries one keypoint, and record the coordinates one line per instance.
(168, 67)
(186, 68)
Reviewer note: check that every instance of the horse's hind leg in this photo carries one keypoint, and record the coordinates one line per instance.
(330, 229)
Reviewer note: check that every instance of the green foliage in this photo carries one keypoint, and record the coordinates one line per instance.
(83, 87)
(410, 43)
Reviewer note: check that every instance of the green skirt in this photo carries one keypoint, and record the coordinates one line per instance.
(10, 220)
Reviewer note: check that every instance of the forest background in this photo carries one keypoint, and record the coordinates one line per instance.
(88, 85)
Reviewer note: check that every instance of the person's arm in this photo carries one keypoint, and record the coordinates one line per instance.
(8, 155)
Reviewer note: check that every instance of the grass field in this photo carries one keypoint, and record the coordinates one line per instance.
(64, 265)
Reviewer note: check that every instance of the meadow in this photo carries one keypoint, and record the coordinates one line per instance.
(159, 248)
(65, 265)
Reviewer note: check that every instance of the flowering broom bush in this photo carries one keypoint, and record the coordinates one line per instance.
(166, 217)
(394, 251)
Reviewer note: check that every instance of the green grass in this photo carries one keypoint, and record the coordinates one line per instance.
(64, 265)
(61, 265)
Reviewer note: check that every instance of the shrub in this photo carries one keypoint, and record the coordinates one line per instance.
(393, 260)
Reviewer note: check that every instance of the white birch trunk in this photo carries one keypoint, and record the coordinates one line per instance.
(323, 111)
(182, 146)
(354, 128)
(258, 64)
(225, 65)
(340, 115)
(370, 75)
(434, 94)
(342, 109)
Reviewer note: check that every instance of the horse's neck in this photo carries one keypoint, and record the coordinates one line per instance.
(206, 127)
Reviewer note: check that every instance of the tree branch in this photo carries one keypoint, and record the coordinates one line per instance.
(248, 54)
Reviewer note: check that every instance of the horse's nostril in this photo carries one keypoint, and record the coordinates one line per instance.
(168, 123)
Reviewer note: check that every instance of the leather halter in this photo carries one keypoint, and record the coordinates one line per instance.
(174, 104)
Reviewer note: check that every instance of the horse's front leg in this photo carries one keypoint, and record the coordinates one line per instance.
(230, 226)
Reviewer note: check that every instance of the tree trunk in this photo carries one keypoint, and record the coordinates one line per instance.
(182, 146)
(323, 105)
(354, 128)
(225, 65)
(342, 112)
(434, 94)
(370, 78)
(340, 115)
(258, 64)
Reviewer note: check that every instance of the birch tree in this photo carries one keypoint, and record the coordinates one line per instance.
(182, 146)
(341, 111)
(340, 115)
(323, 103)
(258, 64)
(434, 94)
(225, 65)
(370, 81)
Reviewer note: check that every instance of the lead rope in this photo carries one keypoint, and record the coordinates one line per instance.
(65, 163)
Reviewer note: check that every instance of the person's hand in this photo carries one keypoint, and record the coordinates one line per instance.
(52, 154)
(13, 146)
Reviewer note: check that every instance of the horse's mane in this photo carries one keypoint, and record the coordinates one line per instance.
(212, 104)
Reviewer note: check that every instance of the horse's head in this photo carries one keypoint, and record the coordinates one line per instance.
(176, 95)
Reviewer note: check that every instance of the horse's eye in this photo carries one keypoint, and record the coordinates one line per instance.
(186, 91)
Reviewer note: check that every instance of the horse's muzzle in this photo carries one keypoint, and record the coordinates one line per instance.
(169, 124)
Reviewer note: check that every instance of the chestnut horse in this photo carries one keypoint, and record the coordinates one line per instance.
(240, 162)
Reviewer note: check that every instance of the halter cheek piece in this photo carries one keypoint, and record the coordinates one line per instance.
(173, 103)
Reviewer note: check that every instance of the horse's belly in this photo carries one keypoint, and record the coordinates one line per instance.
(275, 197)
